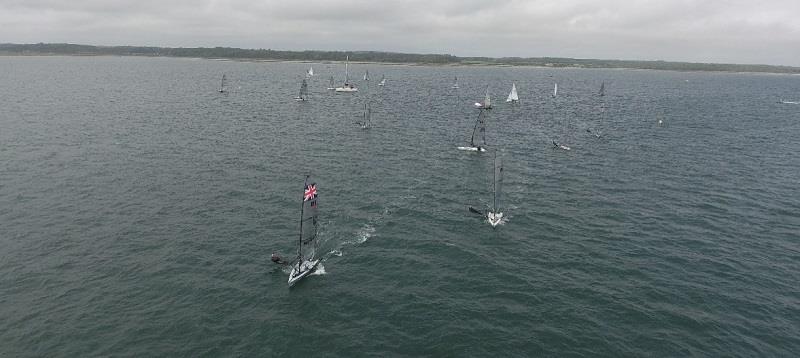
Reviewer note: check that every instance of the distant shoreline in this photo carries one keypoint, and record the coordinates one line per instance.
(376, 57)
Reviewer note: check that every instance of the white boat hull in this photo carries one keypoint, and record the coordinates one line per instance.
(472, 149)
(303, 270)
(494, 218)
(346, 89)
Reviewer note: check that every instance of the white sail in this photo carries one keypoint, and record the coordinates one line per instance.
(513, 97)
(310, 71)
(366, 75)
(555, 90)
(487, 101)
(383, 81)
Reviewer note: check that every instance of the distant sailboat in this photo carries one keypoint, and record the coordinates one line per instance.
(477, 142)
(366, 122)
(331, 85)
(306, 261)
(487, 101)
(602, 108)
(455, 83)
(494, 216)
(383, 81)
(366, 75)
(513, 97)
(222, 85)
(347, 86)
(558, 145)
(310, 71)
(303, 95)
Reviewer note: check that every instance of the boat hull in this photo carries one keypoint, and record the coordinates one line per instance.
(305, 268)
(346, 89)
(494, 219)
(472, 149)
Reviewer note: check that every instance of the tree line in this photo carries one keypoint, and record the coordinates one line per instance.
(372, 56)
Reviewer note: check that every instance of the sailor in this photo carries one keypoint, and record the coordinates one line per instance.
(277, 259)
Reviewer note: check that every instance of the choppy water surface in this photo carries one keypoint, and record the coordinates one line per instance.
(139, 207)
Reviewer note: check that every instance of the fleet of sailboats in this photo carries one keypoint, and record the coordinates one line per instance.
(347, 86)
(307, 260)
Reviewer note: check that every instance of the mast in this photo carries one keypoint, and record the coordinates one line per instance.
(300, 243)
(494, 183)
(346, 78)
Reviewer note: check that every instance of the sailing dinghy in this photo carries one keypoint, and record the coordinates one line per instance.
(310, 72)
(487, 101)
(477, 143)
(366, 117)
(513, 97)
(494, 216)
(306, 261)
(222, 87)
(557, 145)
(347, 86)
(331, 86)
(383, 81)
(455, 83)
(602, 108)
(303, 95)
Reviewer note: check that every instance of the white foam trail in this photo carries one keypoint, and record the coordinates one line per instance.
(319, 271)
(365, 233)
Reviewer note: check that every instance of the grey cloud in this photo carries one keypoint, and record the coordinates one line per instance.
(691, 30)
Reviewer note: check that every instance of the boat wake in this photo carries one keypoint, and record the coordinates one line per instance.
(320, 270)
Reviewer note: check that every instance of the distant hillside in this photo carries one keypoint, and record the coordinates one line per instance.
(373, 56)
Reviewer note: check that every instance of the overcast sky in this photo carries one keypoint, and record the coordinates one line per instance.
(730, 31)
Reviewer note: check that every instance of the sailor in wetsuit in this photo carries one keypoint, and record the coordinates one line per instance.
(277, 259)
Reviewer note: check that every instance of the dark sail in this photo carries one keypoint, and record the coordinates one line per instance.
(478, 138)
(309, 223)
